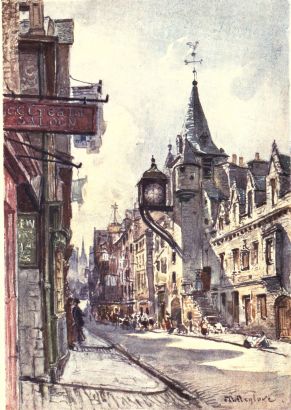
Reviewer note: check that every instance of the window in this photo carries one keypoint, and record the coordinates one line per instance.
(131, 248)
(158, 265)
(234, 211)
(173, 277)
(255, 253)
(207, 167)
(262, 306)
(269, 251)
(223, 300)
(164, 265)
(173, 258)
(220, 223)
(273, 191)
(222, 256)
(250, 203)
(245, 259)
(59, 281)
(24, 19)
(235, 257)
(54, 217)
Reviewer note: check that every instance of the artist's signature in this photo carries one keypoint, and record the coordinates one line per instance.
(251, 399)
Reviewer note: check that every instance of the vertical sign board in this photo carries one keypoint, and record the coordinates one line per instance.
(27, 240)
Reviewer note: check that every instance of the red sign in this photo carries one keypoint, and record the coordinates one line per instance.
(56, 117)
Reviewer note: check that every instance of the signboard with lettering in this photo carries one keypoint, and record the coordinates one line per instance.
(56, 117)
(27, 240)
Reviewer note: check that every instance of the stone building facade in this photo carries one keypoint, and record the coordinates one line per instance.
(37, 198)
(252, 241)
(233, 222)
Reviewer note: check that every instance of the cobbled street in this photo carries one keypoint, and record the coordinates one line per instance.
(219, 375)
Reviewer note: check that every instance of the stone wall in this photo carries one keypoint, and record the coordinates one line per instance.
(31, 350)
(10, 30)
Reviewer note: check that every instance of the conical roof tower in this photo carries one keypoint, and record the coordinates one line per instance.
(196, 126)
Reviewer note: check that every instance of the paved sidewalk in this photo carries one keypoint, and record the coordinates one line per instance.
(99, 365)
(98, 377)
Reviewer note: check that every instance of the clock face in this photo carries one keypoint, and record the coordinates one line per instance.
(154, 194)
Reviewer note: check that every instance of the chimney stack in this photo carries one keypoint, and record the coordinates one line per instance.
(257, 156)
(241, 161)
(234, 158)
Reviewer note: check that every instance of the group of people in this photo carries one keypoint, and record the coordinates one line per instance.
(133, 321)
(75, 322)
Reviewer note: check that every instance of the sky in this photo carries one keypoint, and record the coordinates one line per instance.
(138, 48)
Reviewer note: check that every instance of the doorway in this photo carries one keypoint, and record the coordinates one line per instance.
(235, 307)
(176, 311)
(283, 316)
(206, 278)
(247, 306)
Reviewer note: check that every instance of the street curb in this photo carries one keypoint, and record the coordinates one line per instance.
(172, 384)
(39, 381)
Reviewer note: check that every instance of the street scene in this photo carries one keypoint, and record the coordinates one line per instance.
(147, 200)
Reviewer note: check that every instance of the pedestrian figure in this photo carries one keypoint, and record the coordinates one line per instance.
(190, 326)
(204, 327)
(70, 323)
(78, 321)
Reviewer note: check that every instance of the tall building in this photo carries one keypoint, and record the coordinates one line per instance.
(37, 196)
(232, 219)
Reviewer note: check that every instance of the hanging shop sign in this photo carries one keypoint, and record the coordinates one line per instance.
(54, 117)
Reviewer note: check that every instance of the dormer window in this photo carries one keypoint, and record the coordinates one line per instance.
(273, 191)
(250, 203)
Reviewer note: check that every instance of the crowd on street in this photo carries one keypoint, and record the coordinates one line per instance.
(141, 322)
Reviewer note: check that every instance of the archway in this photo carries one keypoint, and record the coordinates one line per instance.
(176, 311)
(283, 316)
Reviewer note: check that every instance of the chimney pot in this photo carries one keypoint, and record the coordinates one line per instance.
(234, 158)
(257, 156)
(241, 161)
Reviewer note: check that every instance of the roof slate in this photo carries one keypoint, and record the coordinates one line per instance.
(196, 126)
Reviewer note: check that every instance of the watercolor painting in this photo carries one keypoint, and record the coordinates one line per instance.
(147, 200)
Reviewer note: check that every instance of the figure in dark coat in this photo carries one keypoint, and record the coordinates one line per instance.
(70, 323)
(78, 321)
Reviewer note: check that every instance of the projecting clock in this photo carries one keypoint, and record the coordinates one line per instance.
(154, 194)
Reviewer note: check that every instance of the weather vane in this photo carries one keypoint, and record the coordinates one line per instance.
(193, 55)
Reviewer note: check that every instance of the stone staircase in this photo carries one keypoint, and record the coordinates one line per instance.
(205, 307)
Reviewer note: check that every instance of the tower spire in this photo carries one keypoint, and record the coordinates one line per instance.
(195, 125)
